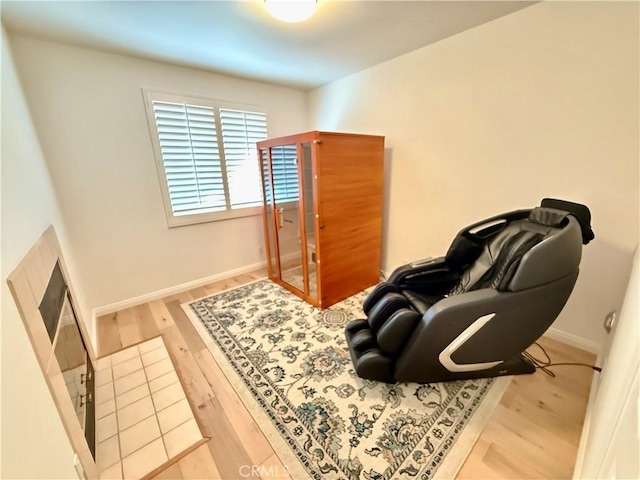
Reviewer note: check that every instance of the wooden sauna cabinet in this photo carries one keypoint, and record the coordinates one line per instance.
(323, 213)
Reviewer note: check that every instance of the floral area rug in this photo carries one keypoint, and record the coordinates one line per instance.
(290, 365)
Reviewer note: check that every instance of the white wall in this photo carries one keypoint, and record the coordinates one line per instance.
(542, 102)
(89, 114)
(34, 443)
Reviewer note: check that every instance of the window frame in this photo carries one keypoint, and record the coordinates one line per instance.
(149, 96)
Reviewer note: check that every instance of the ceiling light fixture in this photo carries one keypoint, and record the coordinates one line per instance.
(291, 11)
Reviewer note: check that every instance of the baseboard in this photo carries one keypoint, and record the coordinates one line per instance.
(573, 340)
(132, 302)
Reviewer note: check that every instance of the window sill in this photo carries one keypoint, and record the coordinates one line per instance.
(198, 218)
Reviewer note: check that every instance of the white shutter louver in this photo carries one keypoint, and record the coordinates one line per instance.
(240, 132)
(191, 158)
(284, 164)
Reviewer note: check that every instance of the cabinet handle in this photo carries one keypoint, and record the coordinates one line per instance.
(88, 397)
(280, 217)
(321, 227)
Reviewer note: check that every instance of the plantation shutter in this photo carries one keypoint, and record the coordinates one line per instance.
(240, 132)
(284, 164)
(267, 177)
(191, 158)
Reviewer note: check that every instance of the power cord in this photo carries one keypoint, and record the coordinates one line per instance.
(546, 363)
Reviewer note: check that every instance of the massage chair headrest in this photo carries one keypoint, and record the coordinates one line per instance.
(581, 212)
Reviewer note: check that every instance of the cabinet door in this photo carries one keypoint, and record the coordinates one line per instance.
(290, 214)
(286, 190)
(283, 215)
(309, 220)
(269, 218)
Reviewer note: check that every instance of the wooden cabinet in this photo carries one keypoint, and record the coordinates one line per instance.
(323, 213)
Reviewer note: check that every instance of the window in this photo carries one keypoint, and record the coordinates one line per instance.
(206, 157)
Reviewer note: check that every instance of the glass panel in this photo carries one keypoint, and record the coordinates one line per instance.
(309, 218)
(52, 300)
(284, 160)
(272, 252)
(71, 355)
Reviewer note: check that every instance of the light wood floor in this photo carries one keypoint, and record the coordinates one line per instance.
(533, 433)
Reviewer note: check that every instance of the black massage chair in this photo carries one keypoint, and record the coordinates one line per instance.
(472, 313)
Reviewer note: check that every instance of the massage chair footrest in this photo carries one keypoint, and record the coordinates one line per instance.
(368, 359)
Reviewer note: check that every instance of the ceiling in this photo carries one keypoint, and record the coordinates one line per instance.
(240, 38)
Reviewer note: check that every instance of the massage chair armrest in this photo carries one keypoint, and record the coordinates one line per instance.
(416, 276)
(416, 268)
(460, 310)
(431, 275)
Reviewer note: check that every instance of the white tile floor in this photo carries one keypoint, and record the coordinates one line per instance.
(143, 415)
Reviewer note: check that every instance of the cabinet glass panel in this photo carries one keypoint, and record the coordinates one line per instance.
(72, 355)
(284, 167)
(272, 252)
(309, 219)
